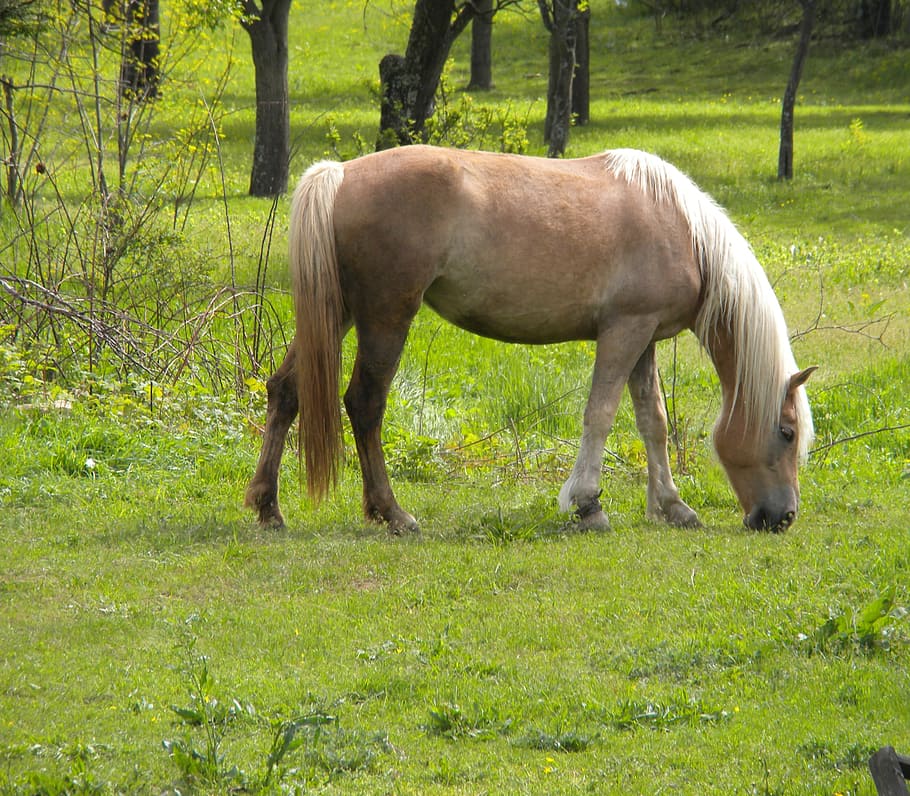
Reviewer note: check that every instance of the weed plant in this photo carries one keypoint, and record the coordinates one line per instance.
(154, 640)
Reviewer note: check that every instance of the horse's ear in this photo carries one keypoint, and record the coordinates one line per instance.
(799, 379)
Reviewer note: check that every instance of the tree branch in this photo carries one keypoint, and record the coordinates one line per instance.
(546, 15)
(859, 328)
(463, 17)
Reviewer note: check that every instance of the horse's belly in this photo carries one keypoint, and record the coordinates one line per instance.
(521, 313)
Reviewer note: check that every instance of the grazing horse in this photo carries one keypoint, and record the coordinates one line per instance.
(620, 248)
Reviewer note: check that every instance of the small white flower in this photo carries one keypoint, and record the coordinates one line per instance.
(90, 463)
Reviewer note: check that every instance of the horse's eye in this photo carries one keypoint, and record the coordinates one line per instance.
(787, 433)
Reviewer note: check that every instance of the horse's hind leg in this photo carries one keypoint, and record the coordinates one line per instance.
(262, 493)
(378, 353)
(664, 502)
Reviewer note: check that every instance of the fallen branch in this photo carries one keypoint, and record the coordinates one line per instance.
(854, 437)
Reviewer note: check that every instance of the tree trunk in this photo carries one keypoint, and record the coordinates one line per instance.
(409, 83)
(482, 47)
(399, 95)
(875, 18)
(12, 161)
(581, 83)
(142, 41)
(785, 156)
(268, 30)
(560, 20)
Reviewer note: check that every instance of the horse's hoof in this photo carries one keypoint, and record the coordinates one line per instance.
(590, 515)
(677, 514)
(264, 500)
(405, 525)
(273, 520)
(683, 517)
(396, 520)
(596, 521)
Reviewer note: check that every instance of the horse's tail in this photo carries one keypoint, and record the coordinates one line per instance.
(319, 309)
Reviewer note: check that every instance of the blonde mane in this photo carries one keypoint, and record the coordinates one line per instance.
(736, 293)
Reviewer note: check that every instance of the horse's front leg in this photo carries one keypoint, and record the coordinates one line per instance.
(378, 354)
(618, 348)
(262, 493)
(664, 502)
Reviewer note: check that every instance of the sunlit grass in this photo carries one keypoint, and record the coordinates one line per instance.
(500, 651)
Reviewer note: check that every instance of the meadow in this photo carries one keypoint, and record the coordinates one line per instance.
(154, 640)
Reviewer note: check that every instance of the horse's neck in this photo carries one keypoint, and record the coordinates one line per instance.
(722, 350)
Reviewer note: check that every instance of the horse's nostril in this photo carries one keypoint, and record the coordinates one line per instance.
(786, 521)
(756, 520)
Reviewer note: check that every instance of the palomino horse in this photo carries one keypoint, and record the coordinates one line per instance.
(620, 248)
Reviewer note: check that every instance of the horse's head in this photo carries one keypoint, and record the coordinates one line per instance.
(762, 463)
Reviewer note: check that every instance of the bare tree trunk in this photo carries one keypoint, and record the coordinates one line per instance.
(559, 18)
(398, 94)
(785, 156)
(409, 83)
(875, 18)
(268, 31)
(581, 83)
(12, 161)
(139, 63)
(482, 47)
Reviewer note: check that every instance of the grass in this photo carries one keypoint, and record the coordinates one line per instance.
(153, 639)
(453, 650)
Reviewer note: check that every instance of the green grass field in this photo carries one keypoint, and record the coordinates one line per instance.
(154, 640)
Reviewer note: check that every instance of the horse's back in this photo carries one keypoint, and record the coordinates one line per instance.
(513, 247)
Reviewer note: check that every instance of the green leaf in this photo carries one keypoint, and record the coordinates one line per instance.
(189, 715)
(870, 620)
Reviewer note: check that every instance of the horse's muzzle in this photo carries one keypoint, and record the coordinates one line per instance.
(763, 519)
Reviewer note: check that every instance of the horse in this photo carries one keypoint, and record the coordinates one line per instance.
(620, 248)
